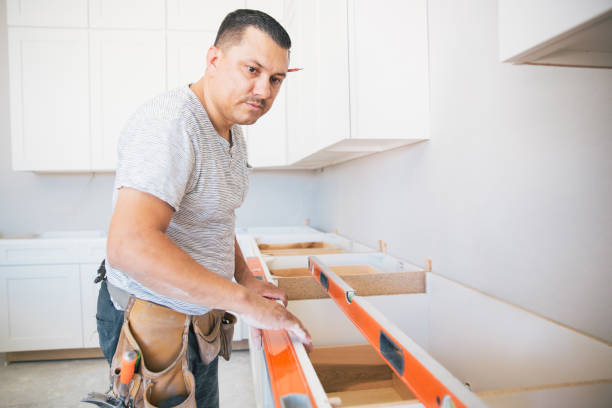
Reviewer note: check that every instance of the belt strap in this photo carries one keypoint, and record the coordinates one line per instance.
(118, 295)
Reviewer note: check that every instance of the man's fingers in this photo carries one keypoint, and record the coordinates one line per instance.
(272, 292)
(303, 336)
(256, 338)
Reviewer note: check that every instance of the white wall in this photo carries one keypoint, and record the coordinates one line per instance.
(513, 193)
(33, 203)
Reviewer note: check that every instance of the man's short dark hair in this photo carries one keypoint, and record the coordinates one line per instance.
(234, 24)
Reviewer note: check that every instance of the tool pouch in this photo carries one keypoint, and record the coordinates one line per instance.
(214, 332)
(159, 334)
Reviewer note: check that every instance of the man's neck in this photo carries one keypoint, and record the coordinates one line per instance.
(223, 130)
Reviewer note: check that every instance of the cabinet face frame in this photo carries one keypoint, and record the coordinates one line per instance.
(42, 84)
(44, 13)
(27, 325)
(115, 55)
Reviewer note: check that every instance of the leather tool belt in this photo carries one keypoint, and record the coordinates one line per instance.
(160, 334)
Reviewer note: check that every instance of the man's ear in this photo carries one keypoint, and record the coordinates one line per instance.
(212, 57)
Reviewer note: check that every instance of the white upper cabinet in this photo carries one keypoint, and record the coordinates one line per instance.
(49, 92)
(45, 13)
(146, 14)
(267, 138)
(187, 56)
(388, 51)
(199, 15)
(556, 32)
(365, 67)
(127, 69)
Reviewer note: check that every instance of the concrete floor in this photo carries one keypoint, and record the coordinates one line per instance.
(55, 384)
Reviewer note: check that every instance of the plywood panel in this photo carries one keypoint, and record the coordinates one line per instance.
(364, 285)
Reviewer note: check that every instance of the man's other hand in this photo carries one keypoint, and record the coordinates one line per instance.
(265, 289)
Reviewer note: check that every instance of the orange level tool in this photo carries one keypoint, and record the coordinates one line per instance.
(439, 389)
(287, 379)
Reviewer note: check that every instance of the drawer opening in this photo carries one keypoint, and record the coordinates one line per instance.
(369, 274)
(356, 375)
(298, 248)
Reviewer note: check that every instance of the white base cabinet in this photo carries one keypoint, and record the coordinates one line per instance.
(48, 297)
(506, 356)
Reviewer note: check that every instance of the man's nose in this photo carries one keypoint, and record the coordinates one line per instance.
(263, 88)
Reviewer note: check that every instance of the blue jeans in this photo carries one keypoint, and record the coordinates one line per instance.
(109, 322)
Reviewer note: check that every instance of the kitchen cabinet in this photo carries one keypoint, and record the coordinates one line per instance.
(50, 299)
(143, 14)
(49, 85)
(267, 138)
(41, 13)
(365, 70)
(548, 32)
(41, 307)
(127, 69)
(198, 15)
(187, 56)
(428, 342)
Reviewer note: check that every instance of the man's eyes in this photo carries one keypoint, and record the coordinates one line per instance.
(273, 80)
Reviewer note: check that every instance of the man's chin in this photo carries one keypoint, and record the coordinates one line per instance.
(248, 120)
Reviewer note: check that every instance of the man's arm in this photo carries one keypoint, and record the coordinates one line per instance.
(137, 244)
(245, 277)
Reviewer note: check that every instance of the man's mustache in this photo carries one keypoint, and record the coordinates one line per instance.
(256, 101)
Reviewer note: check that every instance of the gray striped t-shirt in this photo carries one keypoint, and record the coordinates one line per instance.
(170, 149)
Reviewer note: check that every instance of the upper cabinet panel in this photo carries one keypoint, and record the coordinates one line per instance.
(127, 69)
(49, 91)
(146, 14)
(388, 48)
(556, 32)
(45, 13)
(187, 56)
(200, 15)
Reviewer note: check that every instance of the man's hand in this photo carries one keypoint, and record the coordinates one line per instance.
(265, 289)
(270, 315)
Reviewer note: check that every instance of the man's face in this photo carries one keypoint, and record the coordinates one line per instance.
(247, 76)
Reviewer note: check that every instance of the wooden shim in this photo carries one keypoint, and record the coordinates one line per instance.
(341, 270)
(392, 283)
(61, 354)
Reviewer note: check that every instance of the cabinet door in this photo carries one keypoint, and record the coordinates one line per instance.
(45, 13)
(267, 138)
(49, 86)
(40, 307)
(187, 56)
(388, 69)
(201, 15)
(148, 14)
(317, 108)
(89, 304)
(127, 69)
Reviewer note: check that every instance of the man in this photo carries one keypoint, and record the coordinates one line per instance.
(182, 171)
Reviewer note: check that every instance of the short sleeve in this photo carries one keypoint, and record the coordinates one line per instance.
(156, 156)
